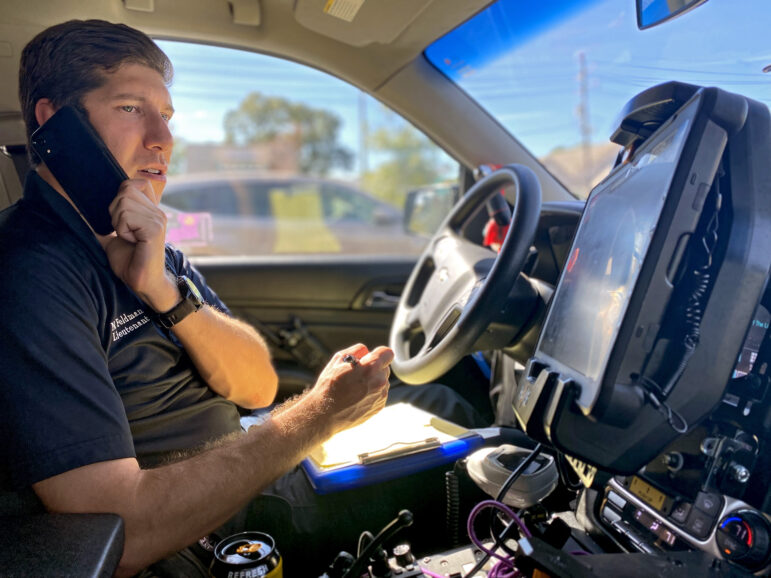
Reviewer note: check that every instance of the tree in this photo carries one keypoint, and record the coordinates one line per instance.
(412, 160)
(178, 161)
(262, 119)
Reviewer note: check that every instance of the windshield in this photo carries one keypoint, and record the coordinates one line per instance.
(557, 78)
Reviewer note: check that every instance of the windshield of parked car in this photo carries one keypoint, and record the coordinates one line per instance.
(556, 74)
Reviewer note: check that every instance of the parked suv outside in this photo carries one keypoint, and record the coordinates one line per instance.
(258, 214)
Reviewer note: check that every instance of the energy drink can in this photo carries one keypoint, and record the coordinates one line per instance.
(247, 555)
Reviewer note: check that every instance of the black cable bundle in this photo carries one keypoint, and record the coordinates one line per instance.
(656, 394)
(695, 307)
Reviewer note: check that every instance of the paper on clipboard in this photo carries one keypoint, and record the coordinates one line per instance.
(397, 430)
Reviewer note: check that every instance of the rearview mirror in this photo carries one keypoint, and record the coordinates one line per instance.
(653, 12)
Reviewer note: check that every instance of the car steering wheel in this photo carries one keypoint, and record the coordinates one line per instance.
(458, 287)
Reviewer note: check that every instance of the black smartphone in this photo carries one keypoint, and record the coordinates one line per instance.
(78, 158)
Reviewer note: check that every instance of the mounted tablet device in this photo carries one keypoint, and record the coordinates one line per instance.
(667, 267)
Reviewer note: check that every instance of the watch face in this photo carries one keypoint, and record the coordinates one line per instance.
(193, 289)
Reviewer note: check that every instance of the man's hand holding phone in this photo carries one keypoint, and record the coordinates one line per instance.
(136, 249)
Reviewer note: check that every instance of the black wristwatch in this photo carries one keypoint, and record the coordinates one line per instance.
(191, 302)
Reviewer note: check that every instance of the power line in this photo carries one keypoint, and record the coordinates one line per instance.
(722, 73)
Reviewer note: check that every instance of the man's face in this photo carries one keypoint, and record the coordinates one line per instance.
(131, 112)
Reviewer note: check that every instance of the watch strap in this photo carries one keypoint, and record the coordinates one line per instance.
(191, 302)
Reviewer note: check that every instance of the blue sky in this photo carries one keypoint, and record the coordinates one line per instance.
(533, 89)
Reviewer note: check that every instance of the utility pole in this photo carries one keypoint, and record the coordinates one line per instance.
(363, 136)
(583, 120)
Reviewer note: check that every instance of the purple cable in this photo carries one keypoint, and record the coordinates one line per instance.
(501, 570)
(499, 506)
(503, 564)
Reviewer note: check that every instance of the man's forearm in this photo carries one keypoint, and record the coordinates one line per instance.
(225, 472)
(170, 507)
(231, 356)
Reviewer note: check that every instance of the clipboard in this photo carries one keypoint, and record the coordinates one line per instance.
(399, 440)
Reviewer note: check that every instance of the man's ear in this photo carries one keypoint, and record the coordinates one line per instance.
(44, 109)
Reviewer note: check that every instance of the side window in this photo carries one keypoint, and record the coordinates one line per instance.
(297, 200)
(341, 204)
(256, 195)
(217, 199)
(307, 162)
(177, 200)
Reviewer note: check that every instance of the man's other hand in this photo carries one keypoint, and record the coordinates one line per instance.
(354, 392)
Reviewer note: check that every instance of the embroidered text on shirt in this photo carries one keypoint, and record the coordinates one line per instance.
(120, 325)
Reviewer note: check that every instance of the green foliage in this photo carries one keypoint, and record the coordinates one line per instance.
(262, 119)
(411, 161)
(178, 161)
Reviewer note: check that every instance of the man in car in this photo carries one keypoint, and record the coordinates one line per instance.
(118, 384)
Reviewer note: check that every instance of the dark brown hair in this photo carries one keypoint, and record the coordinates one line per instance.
(68, 60)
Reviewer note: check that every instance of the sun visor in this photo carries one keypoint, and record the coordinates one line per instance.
(364, 22)
(359, 22)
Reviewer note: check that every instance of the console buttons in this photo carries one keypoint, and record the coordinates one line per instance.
(699, 524)
(640, 544)
(708, 503)
(610, 515)
(636, 540)
(616, 500)
(680, 512)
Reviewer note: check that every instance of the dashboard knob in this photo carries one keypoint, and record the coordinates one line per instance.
(743, 537)
(403, 555)
(739, 473)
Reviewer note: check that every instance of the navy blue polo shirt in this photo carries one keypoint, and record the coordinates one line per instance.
(85, 375)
